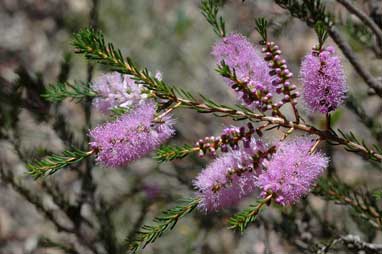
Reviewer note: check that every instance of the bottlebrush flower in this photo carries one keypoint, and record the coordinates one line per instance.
(116, 90)
(324, 81)
(228, 179)
(239, 54)
(131, 136)
(291, 172)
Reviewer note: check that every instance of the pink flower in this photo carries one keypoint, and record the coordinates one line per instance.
(117, 90)
(131, 136)
(324, 81)
(239, 54)
(291, 172)
(228, 179)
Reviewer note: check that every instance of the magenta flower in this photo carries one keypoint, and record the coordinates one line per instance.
(116, 90)
(291, 172)
(131, 136)
(324, 82)
(228, 179)
(239, 54)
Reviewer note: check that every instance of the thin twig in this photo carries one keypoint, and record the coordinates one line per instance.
(324, 134)
(352, 242)
(363, 17)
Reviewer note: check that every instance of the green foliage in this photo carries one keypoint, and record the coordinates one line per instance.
(369, 152)
(371, 123)
(92, 44)
(357, 34)
(363, 203)
(240, 221)
(322, 33)
(53, 163)
(119, 111)
(168, 153)
(48, 243)
(377, 194)
(61, 91)
(210, 9)
(167, 221)
(311, 11)
(261, 27)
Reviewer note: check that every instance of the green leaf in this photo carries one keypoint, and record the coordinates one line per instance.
(241, 221)
(53, 163)
(167, 221)
(168, 153)
(210, 9)
(261, 27)
(61, 91)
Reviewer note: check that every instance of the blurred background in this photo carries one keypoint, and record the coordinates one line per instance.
(171, 37)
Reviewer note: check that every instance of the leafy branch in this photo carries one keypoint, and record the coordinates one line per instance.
(322, 34)
(48, 243)
(210, 9)
(91, 43)
(53, 163)
(168, 153)
(61, 91)
(167, 221)
(311, 11)
(261, 28)
(363, 203)
(240, 221)
(352, 139)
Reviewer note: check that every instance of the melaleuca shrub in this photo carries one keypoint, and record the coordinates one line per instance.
(274, 157)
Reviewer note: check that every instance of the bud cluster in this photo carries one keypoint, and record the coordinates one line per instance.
(282, 74)
(229, 138)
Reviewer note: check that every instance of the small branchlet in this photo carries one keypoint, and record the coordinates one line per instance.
(45, 242)
(61, 91)
(370, 122)
(240, 221)
(168, 153)
(210, 9)
(363, 203)
(92, 44)
(322, 34)
(167, 221)
(261, 28)
(309, 11)
(53, 163)
(369, 153)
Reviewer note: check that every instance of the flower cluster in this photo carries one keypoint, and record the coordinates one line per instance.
(131, 136)
(292, 170)
(117, 90)
(229, 178)
(250, 69)
(287, 171)
(135, 133)
(324, 80)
